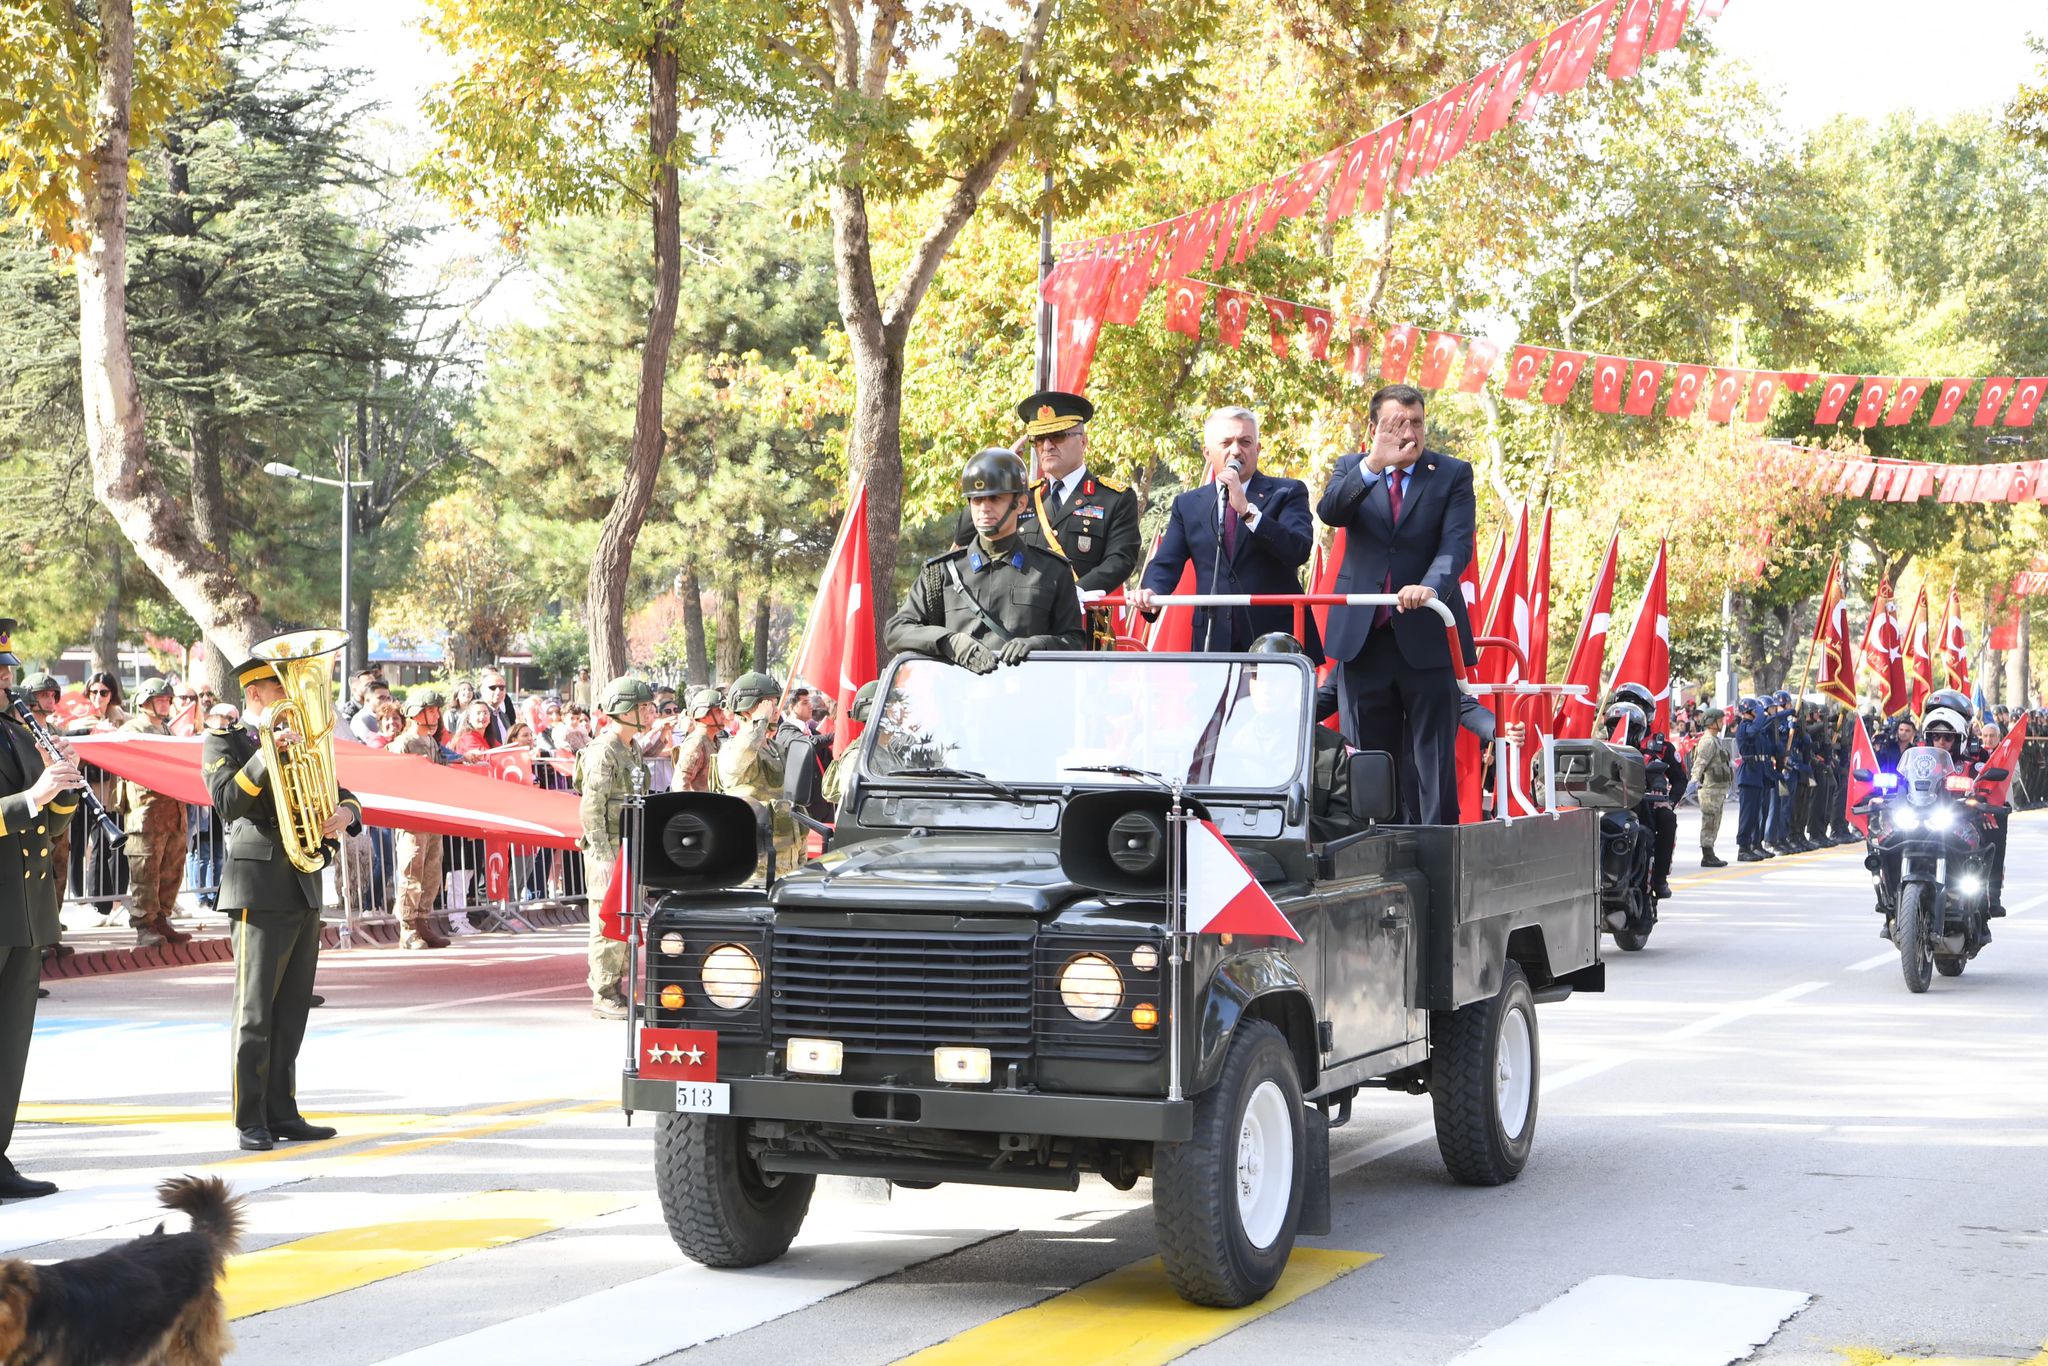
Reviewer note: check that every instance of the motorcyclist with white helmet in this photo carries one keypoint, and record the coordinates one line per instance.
(1945, 724)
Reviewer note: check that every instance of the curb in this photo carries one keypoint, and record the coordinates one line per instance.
(220, 949)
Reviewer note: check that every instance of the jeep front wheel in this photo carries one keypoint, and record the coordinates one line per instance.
(1486, 1066)
(721, 1209)
(1228, 1200)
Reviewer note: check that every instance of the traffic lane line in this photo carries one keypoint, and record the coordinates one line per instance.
(1873, 1356)
(1637, 1321)
(326, 1264)
(1130, 1317)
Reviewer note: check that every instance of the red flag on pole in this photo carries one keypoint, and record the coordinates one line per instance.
(2007, 757)
(1539, 605)
(1224, 896)
(1173, 630)
(1831, 641)
(1646, 658)
(611, 919)
(1467, 756)
(838, 654)
(1883, 652)
(1862, 755)
(1576, 715)
(1955, 648)
(1919, 663)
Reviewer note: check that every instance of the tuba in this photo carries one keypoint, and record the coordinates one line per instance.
(302, 775)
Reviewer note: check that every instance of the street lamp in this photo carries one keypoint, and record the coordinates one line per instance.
(348, 486)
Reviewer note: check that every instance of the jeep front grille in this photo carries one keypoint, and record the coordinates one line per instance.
(907, 992)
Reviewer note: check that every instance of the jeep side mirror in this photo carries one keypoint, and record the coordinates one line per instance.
(1371, 777)
(1994, 775)
(800, 773)
(1861, 775)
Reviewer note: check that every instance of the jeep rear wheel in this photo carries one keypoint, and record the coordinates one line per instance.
(1486, 1070)
(1228, 1200)
(721, 1209)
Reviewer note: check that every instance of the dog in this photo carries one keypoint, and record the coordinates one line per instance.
(154, 1301)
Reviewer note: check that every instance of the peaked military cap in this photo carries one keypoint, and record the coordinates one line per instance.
(1052, 411)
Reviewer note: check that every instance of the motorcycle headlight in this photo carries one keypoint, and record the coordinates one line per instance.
(1940, 818)
(1091, 988)
(732, 976)
(1903, 818)
(1969, 884)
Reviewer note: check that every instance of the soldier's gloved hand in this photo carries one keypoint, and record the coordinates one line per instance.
(970, 654)
(1014, 651)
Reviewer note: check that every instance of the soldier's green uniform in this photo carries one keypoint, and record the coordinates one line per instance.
(276, 914)
(418, 855)
(833, 785)
(156, 836)
(750, 763)
(31, 888)
(696, 756)
(994, 600)
(608, 771)
(1713, 763)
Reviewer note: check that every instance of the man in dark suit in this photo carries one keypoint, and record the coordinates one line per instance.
(276, 910)
(37, 805)
(1407, 515)
(1244, 532)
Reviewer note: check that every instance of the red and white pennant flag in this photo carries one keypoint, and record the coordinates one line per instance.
(1223, 895)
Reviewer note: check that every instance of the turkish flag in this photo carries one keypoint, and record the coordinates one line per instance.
(1501, 105)
(1280, 314)
(1577, 67)
(1996, 391)
(1631, 40)
(1522, 368)
(1480, 354)
(1386, 151)
(2007, 757)
(1399, 352)
(838, 653)
(1670, 25)
(1278, 190)
(1643, 387)
(1223, 895)
(1233, 311)
(1309, 179)
(1323, 583)
(678, 1054)
(1564, 375)
(1955, 646)
(1436, 359)
(1884, 651)
(1556, 48)
(1344, 190)
(1252, 228)
(1539, 605)
(1416, 140)
(1953, 392)
(611, 912)
(1762, 394)
(1831, 642)
(2023, 480)
(2026, 401)
(1184, 301)
(1919, 661)
(1834, 396)
(1871, 406)
(1906, 401)
(1686, 383)
(1316, 325)
(1576, 714)
(1863, 758)
(1607, 383)
(1729, 387)
(1226, 234)
(1191, 245)
(1134, 280)
(1920, 485)
(498, 869)
(1456, 123)
(1646, 658)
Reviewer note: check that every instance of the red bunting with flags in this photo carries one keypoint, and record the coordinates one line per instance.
(1576, 715)
(838, 654)
(1646, 658)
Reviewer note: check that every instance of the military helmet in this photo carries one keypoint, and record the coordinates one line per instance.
(1782, 697)
(153, 689)
(1748, 706)
(1636, 693)
(993, 472)
(748, 689)
(1712, 716)
(704, 701)
(621, 695)
(1276, 643)
(420, 701)
(1633, 717)
(40, 682)
(864, 700)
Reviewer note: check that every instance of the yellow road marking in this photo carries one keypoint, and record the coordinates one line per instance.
(33, 1113)
(287, 1151)
(414, 1145)
(1871, 1356)
(1131, 1317)
(330, 1263)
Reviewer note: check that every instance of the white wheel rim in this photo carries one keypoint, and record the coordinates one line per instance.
(1514, 1074)
(1265, 1165)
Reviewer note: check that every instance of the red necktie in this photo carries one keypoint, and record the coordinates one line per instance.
(1230, 524)
(1394, 477)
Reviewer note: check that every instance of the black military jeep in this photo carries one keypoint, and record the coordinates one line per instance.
(976, 982)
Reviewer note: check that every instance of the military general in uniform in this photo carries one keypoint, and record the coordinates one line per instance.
(998, 599)
(156, 832)
(36, 802)
(750, 764)
(276, 913)
(608, 772)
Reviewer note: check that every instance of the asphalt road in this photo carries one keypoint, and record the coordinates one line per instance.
(1755, 1140)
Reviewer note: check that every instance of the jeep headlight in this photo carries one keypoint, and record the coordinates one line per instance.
(732, 976)
(1090, 987)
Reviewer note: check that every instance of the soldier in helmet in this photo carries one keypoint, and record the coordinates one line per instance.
(999, 599)
(418, 856)
(1713, 761)
(833, 786)
(750, 763)
(696, 756)
(608, 771)
(1657, 748)
(1756, 774)
(156, 832)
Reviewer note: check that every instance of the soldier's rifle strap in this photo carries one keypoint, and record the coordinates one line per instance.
(1002, 633)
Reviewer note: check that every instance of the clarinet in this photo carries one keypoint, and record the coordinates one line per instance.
(109, 828)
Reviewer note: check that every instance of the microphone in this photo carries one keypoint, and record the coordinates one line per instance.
(1235, 466)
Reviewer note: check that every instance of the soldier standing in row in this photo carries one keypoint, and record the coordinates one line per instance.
(1713, 763)
(417, 855)
(750, 763)
(156, 832)
(1756, 775)
(697, 752)
(276, 909)
(999, 599)
(608, 772)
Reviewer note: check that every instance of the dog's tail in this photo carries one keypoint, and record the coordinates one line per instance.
(216, 1215)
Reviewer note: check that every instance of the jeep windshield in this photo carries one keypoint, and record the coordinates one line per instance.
(1221, 722)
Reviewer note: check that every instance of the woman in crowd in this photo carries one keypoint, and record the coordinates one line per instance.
(472, 730)
(98, 869)
(390, 724)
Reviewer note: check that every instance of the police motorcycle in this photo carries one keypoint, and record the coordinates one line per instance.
(1627, 788)
(1931, 848)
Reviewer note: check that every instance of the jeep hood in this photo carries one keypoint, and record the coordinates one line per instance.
(951, 874)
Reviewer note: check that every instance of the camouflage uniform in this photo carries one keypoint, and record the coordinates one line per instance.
(418, 858)
(605, 772)
(833, 786)
(696, 761)
(156, 844)
(1713, 763)
(750, 766)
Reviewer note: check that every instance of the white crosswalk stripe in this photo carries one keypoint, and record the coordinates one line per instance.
(1632, 1321)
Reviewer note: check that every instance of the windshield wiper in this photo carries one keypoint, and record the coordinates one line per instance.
(1121, 770)
(968, 775)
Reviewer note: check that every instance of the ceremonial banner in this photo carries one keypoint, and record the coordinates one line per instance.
(1646, 658)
